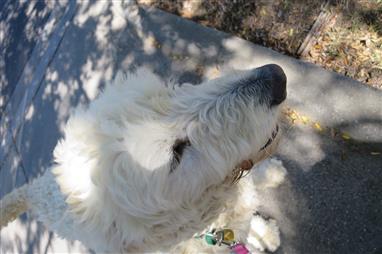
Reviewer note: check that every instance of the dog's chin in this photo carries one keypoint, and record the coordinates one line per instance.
(269, 148)
(266, 151)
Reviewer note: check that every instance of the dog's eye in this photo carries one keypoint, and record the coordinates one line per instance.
(177, 151)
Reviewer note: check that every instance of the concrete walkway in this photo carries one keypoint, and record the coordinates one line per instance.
(59, 56)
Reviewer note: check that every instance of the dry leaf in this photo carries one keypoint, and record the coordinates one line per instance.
(291, 31)
(345, 136)
(304, 119)
(317, 126)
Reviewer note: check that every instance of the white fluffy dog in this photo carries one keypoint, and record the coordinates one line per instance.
(148, 168)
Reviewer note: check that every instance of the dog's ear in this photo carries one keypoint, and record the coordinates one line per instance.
(177, 152)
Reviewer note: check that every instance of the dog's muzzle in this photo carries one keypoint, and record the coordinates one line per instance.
(275, 77)
(267, 83)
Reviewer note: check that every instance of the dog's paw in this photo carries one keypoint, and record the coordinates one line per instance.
(263, 234)
(269, 174)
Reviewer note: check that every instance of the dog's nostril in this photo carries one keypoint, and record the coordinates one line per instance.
(275, 77)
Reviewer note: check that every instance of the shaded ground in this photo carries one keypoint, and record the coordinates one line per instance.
(349, 42)
(352, 44)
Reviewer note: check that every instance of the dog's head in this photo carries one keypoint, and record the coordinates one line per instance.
(228, 123)
(193, 137)
(152, 150)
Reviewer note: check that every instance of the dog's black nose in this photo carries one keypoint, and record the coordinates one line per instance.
(275, 77)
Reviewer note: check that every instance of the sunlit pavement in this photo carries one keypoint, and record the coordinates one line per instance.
(59, 56)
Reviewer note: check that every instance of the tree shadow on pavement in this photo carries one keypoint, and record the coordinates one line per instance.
(330, 201)
(102, 38)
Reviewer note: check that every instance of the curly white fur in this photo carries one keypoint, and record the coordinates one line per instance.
(113, 187)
